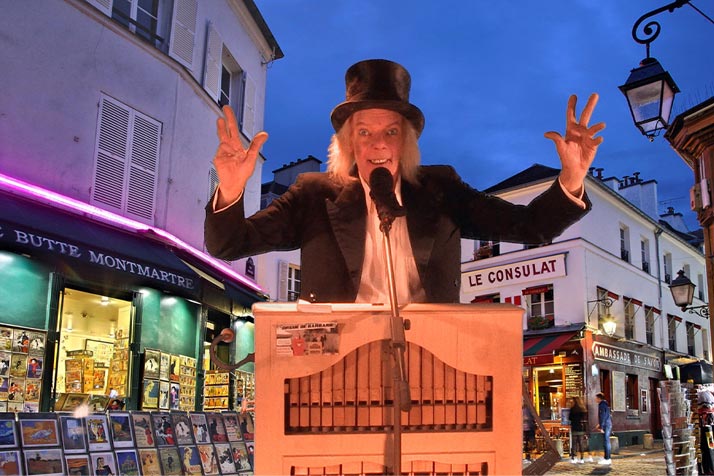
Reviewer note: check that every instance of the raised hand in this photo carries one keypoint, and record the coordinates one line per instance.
(234, 163)
(577, 150)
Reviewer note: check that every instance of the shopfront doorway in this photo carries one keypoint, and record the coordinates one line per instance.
(93, 357)
(548, 387)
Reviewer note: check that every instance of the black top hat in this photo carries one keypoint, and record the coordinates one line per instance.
(377, 84)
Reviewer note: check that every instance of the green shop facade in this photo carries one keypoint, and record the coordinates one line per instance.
(100, 310)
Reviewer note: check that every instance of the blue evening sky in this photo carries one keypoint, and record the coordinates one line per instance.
(491, 77)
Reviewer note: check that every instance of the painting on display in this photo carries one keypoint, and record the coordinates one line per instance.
(103, 463)
(38, 429)
(152, 359)
(120, 427)
(46, 462)
(170, 461)
(73, 434)
(77, 464)
(182, 428)
(11, 461)
(127, 462)
(143, 434)
(164, 366)
(98, 432)
(149, 460)
(190, 459)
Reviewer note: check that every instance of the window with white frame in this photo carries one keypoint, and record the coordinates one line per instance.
(126, 161)
(700, 287)
(649, 325)
(541, 307)
(690, 338)
(645, 254)
(228, 83)
(668, 268)
(630, 310)
(603, 310)
(486, 249)
(625, 243)
(705, 344)
(289, 281)
(672, 332)
(149, 20)
(139, 16)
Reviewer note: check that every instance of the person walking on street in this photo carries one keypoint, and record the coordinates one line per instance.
(578, 429)
(604, 425)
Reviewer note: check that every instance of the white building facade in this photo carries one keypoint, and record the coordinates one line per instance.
(107, 135)
(613, 265)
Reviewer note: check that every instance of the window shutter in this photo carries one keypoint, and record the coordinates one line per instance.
(282, 281)
(126, 161)
(212, 69)
(183, 31)
(111, 155)
(144, 160)
(248, 124)
(104, 6)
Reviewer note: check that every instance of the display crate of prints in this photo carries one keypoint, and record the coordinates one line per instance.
(216, 389)
(187, 383)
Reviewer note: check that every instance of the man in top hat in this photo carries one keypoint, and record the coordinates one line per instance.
(333, 219)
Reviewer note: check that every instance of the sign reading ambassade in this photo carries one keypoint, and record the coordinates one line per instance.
(514, 273)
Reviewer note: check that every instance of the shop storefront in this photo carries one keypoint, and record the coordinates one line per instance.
(92, 309)
(553, 373)
(628, 374)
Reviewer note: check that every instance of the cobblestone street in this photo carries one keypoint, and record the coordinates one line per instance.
(632, 460)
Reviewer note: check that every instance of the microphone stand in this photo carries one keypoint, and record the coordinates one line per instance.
(402, 400)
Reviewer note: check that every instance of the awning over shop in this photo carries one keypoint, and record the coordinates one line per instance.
(91, 249)
(545, 344)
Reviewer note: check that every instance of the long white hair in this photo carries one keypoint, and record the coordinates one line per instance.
(341, 160)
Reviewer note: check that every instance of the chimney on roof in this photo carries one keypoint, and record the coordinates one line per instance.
(599, 172)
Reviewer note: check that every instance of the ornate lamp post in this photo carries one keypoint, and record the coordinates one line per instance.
(649, 89)
(682, 290)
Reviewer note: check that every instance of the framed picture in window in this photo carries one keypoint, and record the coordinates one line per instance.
(101, 351)
(644, 400)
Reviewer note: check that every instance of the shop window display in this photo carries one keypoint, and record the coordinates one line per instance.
(93, 356)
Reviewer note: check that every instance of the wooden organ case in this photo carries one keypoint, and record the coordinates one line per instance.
(321, 412)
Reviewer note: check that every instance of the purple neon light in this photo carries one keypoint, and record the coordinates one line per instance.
(74, 206)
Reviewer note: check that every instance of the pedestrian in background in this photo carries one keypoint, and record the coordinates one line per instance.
(579, 430)
(604, 425)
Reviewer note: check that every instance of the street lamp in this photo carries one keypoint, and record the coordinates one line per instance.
(650, 89)
(682, 290)
(650, 94)
(609, 324)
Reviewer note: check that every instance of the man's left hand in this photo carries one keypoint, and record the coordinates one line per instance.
(577, 150)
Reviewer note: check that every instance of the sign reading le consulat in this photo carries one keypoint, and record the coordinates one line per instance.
(514, 273)
(618, 355)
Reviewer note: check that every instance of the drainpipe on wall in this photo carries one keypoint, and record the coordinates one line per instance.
(658, 233)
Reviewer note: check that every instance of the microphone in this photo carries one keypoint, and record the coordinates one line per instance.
(382, 192)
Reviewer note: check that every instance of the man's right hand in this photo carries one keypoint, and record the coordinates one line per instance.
(234, 164)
